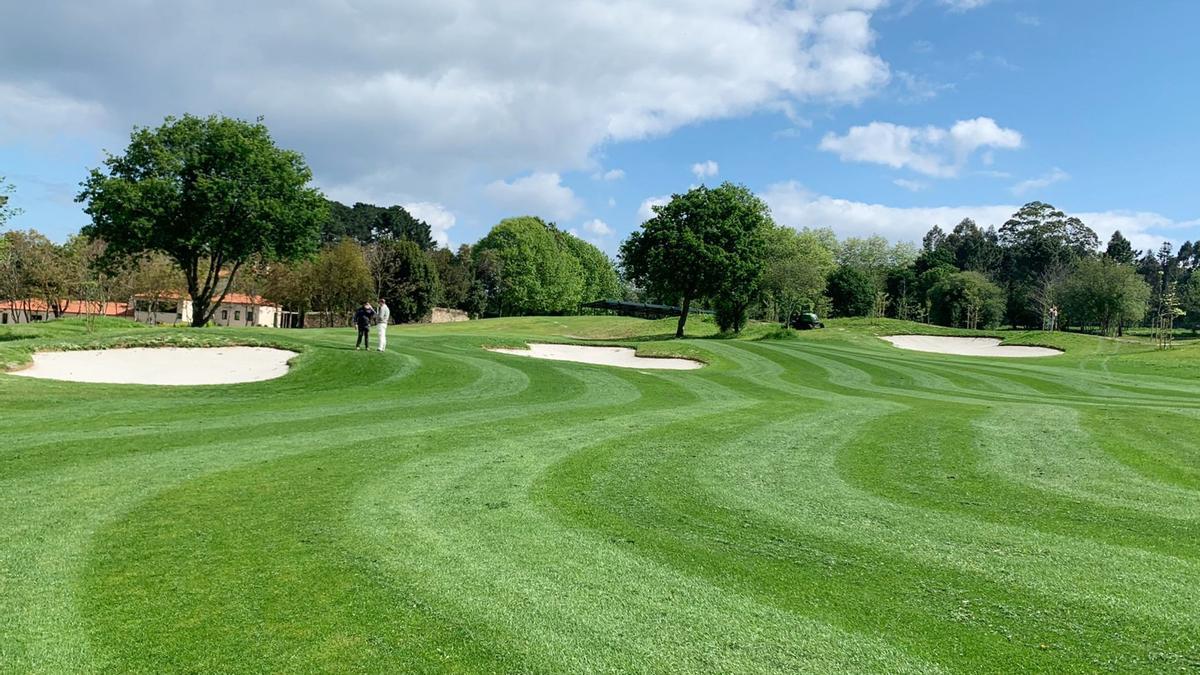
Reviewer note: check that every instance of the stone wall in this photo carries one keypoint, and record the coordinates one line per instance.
(445, 315)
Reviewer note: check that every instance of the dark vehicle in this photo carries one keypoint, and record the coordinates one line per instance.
(806, 321)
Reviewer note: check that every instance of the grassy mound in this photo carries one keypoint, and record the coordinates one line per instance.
(812, 501)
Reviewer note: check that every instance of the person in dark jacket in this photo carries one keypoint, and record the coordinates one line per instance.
(362, 319)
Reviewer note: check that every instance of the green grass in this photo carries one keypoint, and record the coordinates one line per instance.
(810, 501)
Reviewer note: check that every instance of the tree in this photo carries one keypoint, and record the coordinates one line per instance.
(456, 274)
(599, 276)
(795, 270)
(1038, 238)
(292, 286)
(1105, 293)
(974, 249)
(1189, 302)
(851, 291)
(1120, 250)
(340, 280)
(967, 299)
(7, 212)
(409, 280)
(540, 276)
(705, 242)
(156, 283)
(211, 193)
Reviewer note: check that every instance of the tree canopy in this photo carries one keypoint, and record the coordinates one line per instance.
(705, 242)
(408, 280)
(209, 192)
(537, 272)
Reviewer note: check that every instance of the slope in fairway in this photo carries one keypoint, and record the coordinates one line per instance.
(823, 503)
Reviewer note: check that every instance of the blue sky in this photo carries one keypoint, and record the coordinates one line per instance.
(860, 115)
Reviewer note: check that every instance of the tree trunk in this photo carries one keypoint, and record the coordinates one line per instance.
(687, 305)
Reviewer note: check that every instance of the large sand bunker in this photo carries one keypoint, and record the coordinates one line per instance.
(966, 346)
(620, 357)
(162, 365)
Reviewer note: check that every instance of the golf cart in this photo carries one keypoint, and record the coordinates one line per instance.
(806, 321)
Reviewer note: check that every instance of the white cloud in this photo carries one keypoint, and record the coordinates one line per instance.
(963, 5)
(434, 94)
(597, 227)
(921, 46)
(538, 194)
(611, 202)
(1056, 175)
(706, 169)
(791, 204)
(929, 150)
(646, 211)
(1029, 19)
(918, 88)
(910, 185)
(610, 175)
(440, 219)
(37, 110)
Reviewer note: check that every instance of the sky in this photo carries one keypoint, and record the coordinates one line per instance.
(865, 116)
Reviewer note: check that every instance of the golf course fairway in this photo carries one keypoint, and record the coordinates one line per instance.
(815, 502)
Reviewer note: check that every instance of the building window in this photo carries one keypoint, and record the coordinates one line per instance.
(237, 316)
(224, 315)
(249, 316)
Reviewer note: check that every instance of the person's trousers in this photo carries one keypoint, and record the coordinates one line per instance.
(382, 336)
(364, 338)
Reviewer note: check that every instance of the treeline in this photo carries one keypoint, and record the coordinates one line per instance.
(1042, 269)
(523, 266)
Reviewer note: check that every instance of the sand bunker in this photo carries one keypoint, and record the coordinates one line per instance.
(966, 346)
(620, 357)
(162, 365)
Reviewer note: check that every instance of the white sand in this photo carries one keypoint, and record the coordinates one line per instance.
(162, 365)
(966, 346)
(620, 357)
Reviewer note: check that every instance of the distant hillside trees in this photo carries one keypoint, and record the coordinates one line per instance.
(703, 243)
(366, 223)
(211, 193)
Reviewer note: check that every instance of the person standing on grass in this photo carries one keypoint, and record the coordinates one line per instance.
(382, 316)
(362, 319)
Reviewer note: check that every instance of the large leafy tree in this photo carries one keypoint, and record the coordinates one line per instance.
(339, 280)
(529, 268)
(599, 276)
(966, 299)
(366, 223)
(706, 242)
(1039, 241)
(211, 193)
(795, 269)
(851, 291)
(408, 280)
(1105, 293)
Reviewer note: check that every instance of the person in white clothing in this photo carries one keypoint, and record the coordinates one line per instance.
(383, 316)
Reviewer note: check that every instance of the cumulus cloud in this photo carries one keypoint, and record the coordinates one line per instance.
(610, 175)
(434, 94)
(705, 169)
(791, 204)
(646, 210)
(930, 150)
(597, 227)
(439, 218)
(1056, 175)
(538, 194)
